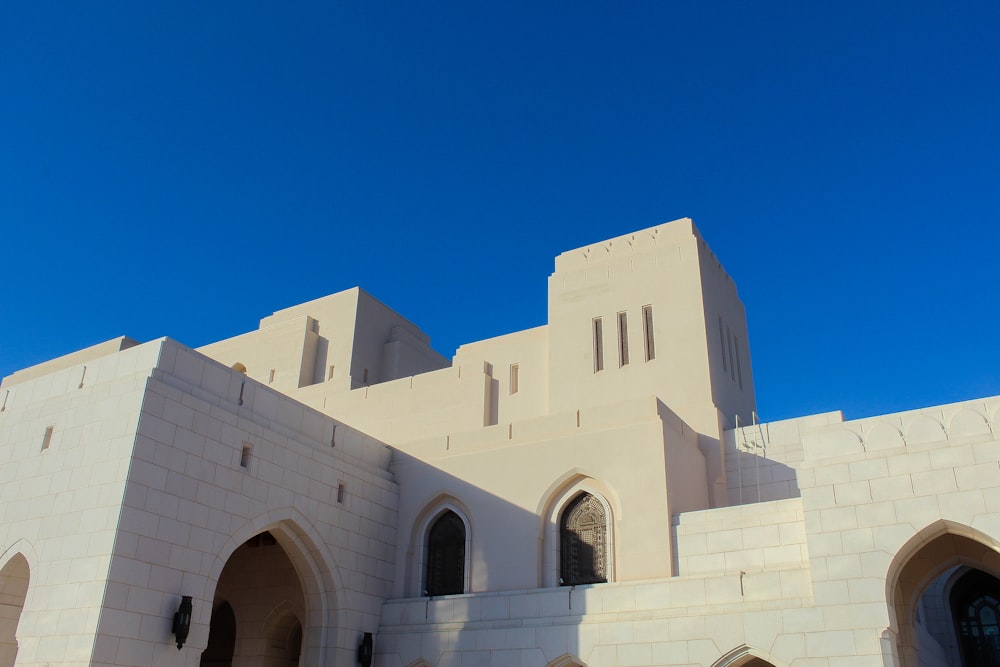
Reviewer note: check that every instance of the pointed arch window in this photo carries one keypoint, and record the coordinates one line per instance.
(583, 538)
(976, 608)
(445, 556)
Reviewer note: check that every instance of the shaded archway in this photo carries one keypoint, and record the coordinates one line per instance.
(259, 601)
(931, 554)
(14, 577)
(317, 573)
(283, 637)
(221, 637)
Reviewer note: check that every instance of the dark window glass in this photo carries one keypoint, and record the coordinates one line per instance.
(975, 601)
(446, 556)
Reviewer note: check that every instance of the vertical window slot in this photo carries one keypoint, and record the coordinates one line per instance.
(722, 343)
(330, 374)
(732, 364)
(647, 332)
(622, 339)
(598, 345)
(739, 370)
(514, 372)
(47, 439)
(270, 377)
(341, 492)
(245, 456)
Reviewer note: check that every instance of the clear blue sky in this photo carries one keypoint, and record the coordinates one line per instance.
(184, 169)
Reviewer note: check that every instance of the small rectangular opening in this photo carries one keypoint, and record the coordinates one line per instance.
(598, 345)
(341, 492)
(647, 332)
(514, 370)
(622, 339)
(47, 439)
(329, 375)
(270, 377)
(245, 456)
(365, 380)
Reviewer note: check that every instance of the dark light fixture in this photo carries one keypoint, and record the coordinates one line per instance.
(365, 650)
(182, 621)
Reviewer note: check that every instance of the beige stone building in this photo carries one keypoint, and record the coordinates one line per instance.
(595, 491)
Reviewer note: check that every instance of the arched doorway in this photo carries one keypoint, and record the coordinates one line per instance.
(283, 633)
(221, 637)
(939, 587)
(259, 606)
(14, 578)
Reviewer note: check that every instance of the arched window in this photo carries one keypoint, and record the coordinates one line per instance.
(445, 563)
(583, 542)
(975, 601)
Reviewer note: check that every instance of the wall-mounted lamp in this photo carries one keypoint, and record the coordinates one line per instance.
(365, 650)
(182, 621)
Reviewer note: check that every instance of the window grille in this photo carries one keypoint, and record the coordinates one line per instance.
(583, 549)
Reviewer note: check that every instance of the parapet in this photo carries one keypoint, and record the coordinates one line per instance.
(645, 241)
(69, 360)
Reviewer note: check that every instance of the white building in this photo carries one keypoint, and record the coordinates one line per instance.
(591, 492)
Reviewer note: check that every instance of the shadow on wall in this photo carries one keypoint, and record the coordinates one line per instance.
(754, 478)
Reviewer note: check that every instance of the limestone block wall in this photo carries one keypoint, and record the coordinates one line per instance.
(219, 458)
(519, 368)
(761, 458)
(511, 480)
(65, 443)
(677, 621)
(885, 495)
(655, 283)
(768, 536)
(78, 358)
(437, 403)
(282, 355)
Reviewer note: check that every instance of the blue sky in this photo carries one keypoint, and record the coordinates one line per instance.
(185, 169)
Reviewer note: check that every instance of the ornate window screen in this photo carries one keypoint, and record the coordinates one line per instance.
(976, 608)
(446, 556)
(583, 550)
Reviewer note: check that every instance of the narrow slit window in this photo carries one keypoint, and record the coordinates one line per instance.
(365, 380)
(330, 374)
(622, 339)
(47, 438)
(647, 332)
(722, 343)
(270, 377)
(514, 371)
(598, 345)
(341, 492)
(732, 364)
(245, 456)
(739, 370)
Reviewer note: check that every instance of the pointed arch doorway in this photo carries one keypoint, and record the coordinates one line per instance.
(14, 577)
(260, 609)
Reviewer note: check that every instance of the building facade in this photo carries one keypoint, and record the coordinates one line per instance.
(595, 491)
